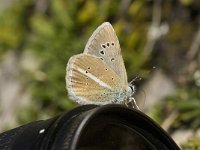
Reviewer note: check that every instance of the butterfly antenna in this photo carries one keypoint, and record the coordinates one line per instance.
(139, 78)
(135, 79)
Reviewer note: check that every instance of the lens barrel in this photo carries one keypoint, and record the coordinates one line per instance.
(90, 127)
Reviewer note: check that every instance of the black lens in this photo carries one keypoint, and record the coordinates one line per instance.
(114, 127)
(108, 134)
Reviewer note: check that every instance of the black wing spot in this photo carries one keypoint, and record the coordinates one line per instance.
(89, 68)
(108, 44)
(101, 58)
(112, 78)
(112, 59)
(113, 43)
(106, 69)
(86, 71)
(87, 78)
(86, 83)
(102, 52)
(104, 46)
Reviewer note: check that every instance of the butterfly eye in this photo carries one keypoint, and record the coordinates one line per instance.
(108, 44)
(113, 44)
(104, 46)
(102, 52)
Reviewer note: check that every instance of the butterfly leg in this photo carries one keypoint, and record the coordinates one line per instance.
(133, 103)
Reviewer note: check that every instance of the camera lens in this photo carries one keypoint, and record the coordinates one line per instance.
(115, 127)
(109, 134)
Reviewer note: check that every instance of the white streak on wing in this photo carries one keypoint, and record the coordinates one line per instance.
(91, 76)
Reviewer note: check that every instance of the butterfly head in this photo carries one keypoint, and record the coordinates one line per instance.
(131, 90)
(130, 101)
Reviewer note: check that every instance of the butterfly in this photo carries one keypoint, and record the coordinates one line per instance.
(98, 75)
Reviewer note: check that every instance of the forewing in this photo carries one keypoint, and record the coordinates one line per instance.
(104, 44)
(90, 81)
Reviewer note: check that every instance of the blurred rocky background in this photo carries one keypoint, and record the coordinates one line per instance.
(160, 43)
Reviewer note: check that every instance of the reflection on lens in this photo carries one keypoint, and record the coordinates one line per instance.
(108, 135)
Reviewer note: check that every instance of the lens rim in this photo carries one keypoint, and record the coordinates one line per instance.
(63, 129)
(132, 116)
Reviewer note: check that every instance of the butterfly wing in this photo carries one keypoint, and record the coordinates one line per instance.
(90, 81)
(104, 44)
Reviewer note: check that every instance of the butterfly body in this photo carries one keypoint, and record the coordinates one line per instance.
(98, 75)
